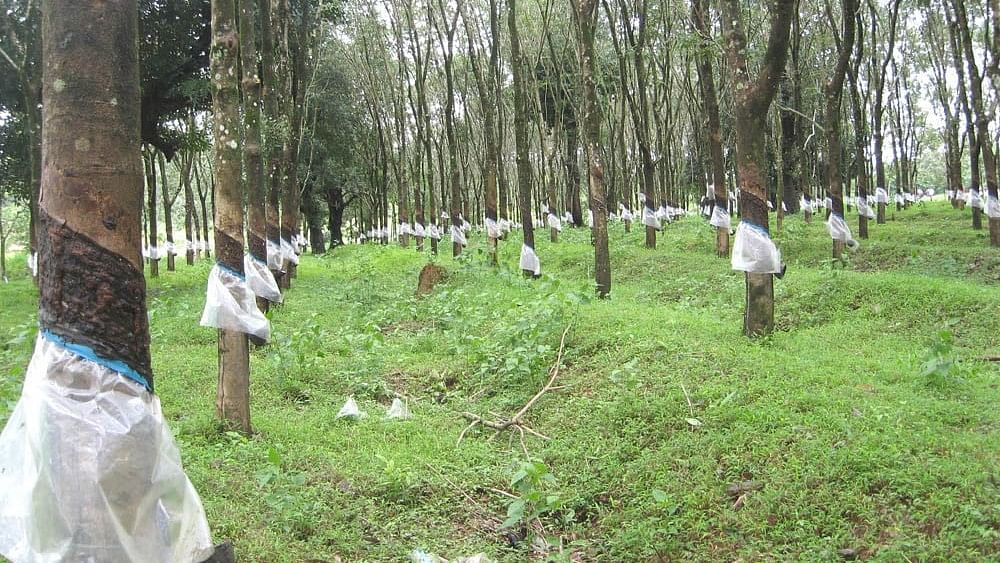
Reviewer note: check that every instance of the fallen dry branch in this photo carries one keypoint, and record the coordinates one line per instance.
(516, 422)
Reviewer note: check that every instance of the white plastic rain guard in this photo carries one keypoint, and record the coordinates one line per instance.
(505, 225)
(754, 251)
(720, 218)
(992, 207)
(230, 304)
(89, 470)
(288, 252)
(458, 235)
(33, 264)
(405, 229)
(169, 248)
(864, 209)
(590, 218)
(975, 200)
(418, 230)
(260, 280)
(626, 214)
(881, 195)
(839, 230)
(273, 255)
(493, 228)
(553, 221)
(153, 253)
(433, 232)
(529, 260)
(650, 219)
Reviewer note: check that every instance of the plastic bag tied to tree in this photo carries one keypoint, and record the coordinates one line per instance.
(458, 235)
(529, 260)
(754, 251)
(89, 470)
(231, 305)
(260, 279)
(839, 230)
(720, 218)
(288, 252)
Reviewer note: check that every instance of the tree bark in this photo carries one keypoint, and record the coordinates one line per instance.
(833, 92)
(752, 98)
(233, 392)
(521, 131)
(586, 19)
(706, 80)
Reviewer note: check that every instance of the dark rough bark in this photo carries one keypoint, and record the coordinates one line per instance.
(833, 93)
(233, 392)
(706, 80)
(252, 147)
(753, 97)
(586, 15)
(521, 131)
(150, 164)
(92, 291)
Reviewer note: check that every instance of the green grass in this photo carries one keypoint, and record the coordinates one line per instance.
(850, 444)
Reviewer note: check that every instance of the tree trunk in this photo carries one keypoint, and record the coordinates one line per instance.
(250, 83)
(168, 220)
(154, 253)
(271, 92)
(586, 19)
(706, 79)
(752, 99)
(833, 92)
(233, 396)
(521, 131)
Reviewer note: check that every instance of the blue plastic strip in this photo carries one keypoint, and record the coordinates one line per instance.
(88, 353)
(231, 271)
(756, 227)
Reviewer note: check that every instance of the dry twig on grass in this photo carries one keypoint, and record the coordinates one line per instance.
(516, 422)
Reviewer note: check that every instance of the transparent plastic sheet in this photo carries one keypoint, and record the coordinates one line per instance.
(288, 252)
(466, 226)
(805, 205)
(505, 226)
(568, 218)
(920, 193)
(529, 260)
(839, 230)
(975, 200)
(418, 230)
(493, 229)
(260, 279)
(190, 246)
(405, 229)
(590, 218)
(169, 249)
(433, 232)
(230, 305)
(828, 203)
(950, 194)
(770, 205)
(909, 197)
(273, 255)
(720, 218)
(33, 263)
(992, 207)
(458, 235)
(626, 215)
(89, 470)
(398, 410)
(350, 410)
(881, 196)
(754, 251)
(864, 209)
(650, 219)
(899, 199)
(661, 213)
(152, 252)
(553, 221)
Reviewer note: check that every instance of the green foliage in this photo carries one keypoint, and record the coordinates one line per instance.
(536, 496)
(941, 367)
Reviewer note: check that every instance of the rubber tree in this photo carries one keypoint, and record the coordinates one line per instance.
(149, 164)
(253, 142)
(981, 115)
(272, 95)
(881, 56)
(752, 97)
(233, 391)
(586, 20)
(833, 93)
(169, 197)
(521, 130)
(706, 81)
(94, 329)
(446, 28)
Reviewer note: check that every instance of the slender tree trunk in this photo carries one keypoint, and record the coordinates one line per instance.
(168, 220)
(753, 97)
(833, 92)
(250, 84)
(521, 131)
(271, 92)
(586, 19)
(233, 398)
(706, 79)
(154, 251)
(190, 213)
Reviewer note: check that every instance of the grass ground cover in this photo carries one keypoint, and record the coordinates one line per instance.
(868, 422)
